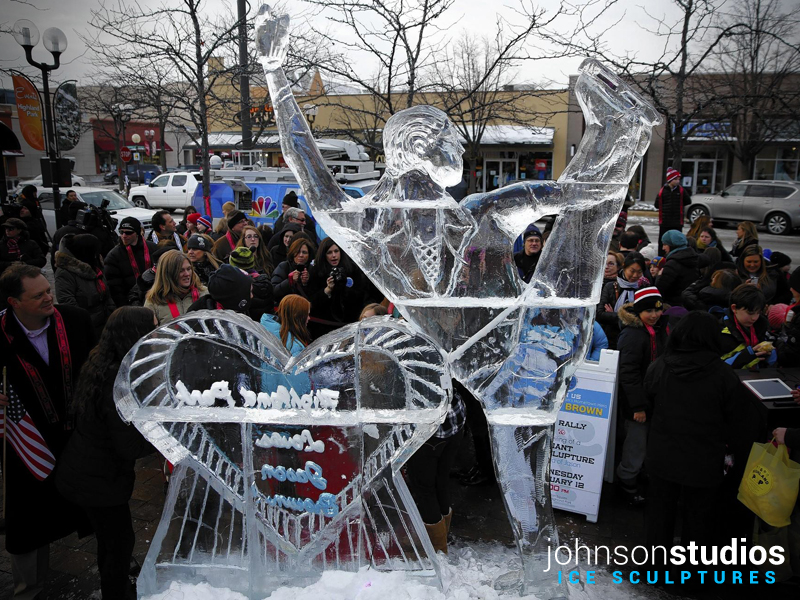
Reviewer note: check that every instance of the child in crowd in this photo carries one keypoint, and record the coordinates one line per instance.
(642, 340)
(743, 330)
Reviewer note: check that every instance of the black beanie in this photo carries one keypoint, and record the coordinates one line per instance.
(85, 247)
(235, 217)
(29, 191)
(290, 199)
(231, 288)
(131, 224)
(779, 259)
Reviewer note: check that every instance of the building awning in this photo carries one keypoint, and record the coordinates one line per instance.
(510, 135)
(106, 145)
(9, 141)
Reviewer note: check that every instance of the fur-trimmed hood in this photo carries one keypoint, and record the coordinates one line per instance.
(65, 260)
(631, 319)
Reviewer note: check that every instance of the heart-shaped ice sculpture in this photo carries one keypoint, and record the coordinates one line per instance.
(286, 466)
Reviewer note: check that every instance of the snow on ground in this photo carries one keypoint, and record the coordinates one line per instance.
(469, 571)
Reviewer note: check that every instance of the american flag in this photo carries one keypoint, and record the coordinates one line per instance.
(25, 438)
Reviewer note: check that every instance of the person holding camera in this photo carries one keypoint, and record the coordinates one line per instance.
(337, 290)
(292, 275)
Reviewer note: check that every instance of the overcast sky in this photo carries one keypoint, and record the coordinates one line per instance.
(73, 16)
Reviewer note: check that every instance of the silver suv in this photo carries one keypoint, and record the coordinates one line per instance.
(774, 203)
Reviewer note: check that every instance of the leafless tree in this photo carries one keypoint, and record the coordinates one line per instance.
(183, 38)
(759, 69)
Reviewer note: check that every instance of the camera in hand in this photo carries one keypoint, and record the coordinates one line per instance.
(337, 274)
(300, 268)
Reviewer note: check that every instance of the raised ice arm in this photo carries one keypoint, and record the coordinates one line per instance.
(297, 142)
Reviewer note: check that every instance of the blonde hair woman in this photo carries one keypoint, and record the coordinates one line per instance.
(176, 287)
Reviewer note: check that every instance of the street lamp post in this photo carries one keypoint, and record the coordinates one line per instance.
(121, 113)
(27, 35)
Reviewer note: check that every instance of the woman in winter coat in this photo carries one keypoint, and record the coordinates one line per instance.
(79, 280)
(337, 290)
(263, 301)
(642, 340)
(128, 260)
(16, 246)
(31, 214)
(746, 235)
(680, 268)
(617, 292)
(282, 241)
(695, 400)
(96, 470)
(175, 289)
(262, 258)
(752, 269)
(708, 239)
(293, 276)
(204, 263)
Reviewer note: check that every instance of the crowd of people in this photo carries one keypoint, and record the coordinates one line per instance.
(683, 312)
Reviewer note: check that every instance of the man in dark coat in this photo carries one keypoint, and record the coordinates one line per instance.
(671, 201)
(680, 268)
(16, 246)
(128, 260)
(43, 348)
(527, 260)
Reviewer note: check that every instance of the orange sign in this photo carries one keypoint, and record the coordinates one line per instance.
(29, 110)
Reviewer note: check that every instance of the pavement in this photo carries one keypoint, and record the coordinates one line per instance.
(479, 516)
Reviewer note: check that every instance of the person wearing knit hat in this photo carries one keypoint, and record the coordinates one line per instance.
(16, 245)
(228, 289)
(776, 316)
(680, 269)
(188, 226)
(242, 258)
(204, 263)
(28, 192)
(671, 202)
(205, 225)
(642, 340)
(290, 201)
(128, 261)
(224, 245)
(528, 258)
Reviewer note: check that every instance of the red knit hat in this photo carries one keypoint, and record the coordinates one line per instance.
(192, 218)
(672, 174)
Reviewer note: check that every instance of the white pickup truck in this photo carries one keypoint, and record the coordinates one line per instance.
(170, 191)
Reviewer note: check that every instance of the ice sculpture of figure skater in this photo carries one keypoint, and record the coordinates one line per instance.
(449, 266)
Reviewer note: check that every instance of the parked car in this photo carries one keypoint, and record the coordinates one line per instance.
(136, 174)
(118, 206)
(170, 191)
(184, 169)
(37, 181)
(773, 203)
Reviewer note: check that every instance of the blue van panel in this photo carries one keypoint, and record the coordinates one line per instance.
(267, 201)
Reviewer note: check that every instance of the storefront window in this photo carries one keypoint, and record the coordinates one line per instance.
(778, 163)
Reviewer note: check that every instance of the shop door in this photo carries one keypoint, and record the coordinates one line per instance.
(497, 173)
(701, 173)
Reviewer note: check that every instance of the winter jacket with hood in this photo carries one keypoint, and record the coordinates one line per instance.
(77, 285)
(680, 271)
(635, 357)
(695, 398)
(29, 252)
(276, 246)
(738, 352)
(283, 286)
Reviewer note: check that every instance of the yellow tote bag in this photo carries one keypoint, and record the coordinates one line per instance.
(770, 484)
